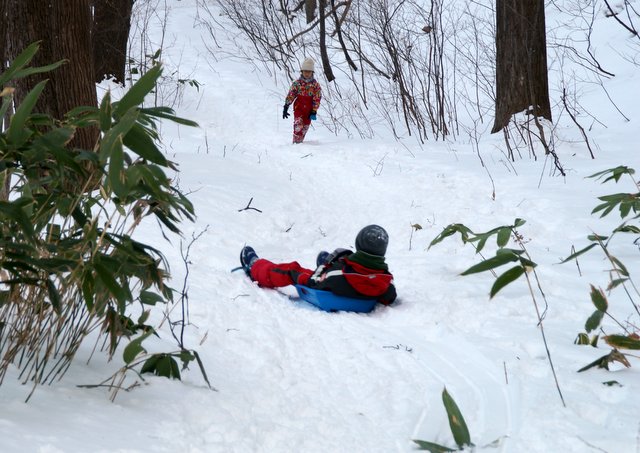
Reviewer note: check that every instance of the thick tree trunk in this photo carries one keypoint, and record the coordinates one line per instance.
(521, 61)
(310, 10)
(3, 36)
(63, 27)
(4, 122)
(3, 47)
(110, 34)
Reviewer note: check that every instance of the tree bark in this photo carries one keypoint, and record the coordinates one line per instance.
(521, 61)
(310, 10)
(326, 63)
(110, 34)
(63, 27)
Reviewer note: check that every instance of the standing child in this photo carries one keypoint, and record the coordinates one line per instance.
(305, 95)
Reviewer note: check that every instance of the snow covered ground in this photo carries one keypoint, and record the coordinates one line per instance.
(291, 378)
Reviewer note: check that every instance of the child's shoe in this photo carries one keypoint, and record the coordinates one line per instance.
(248, 256)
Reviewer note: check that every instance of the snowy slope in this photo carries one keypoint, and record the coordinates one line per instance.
(290, 378)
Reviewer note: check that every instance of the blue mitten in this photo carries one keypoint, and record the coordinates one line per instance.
(312, 117)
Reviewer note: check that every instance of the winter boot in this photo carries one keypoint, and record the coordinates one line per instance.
(248, 256)
(322, 258)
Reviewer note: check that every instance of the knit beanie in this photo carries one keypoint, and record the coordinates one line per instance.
(307, 65)
(372, 239)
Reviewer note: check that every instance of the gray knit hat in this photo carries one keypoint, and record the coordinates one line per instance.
(372, 239)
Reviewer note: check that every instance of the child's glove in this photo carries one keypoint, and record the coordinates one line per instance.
(312, 117)
(285, 112)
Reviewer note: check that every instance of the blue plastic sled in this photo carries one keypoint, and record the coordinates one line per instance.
(327, 301)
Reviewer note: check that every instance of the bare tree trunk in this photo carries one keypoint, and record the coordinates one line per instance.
(4, 122)
(521, 61)
(3, 39)
(326, 63)
(63, 27)
(3, 50)
(310, 10)
(110, 34)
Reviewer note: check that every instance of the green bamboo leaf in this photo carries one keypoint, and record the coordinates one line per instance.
(601, 362)
(606, 208)
(186, 357)
(503, 236)
(619, 266)
(450, 230)
(56, 265)
(482, 241)
(527, 264)
(201, 366)
(116, 170)
(175, 369)
(116, 134)
(105, 112)
(594, 320)
(169, 114)
(616, 173)
(613, 197)
(139, 140)
(136, 94)
(578, 253)
(17, 132)
(623, 341)
(150, 364)
(456, 421)
(508, 251)
(582, 339)
(144, 317)
(599, 299)
(134, 348)
(106, 275)
(5, 297)
(163, 367)
(625, 208)
(38, 70)
(491, 263)
(6, 103)
(519, 222)
(503, 280)
(19, 62)
(54, 296)
(624, 228)
(615, 283)
(150, 298)
(431, 447)
(88, 291)
(16, 213)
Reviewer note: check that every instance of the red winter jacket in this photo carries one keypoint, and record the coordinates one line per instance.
(348, 278)
(305, 95)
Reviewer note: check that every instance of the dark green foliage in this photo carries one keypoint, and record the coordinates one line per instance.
(458, 427)
(628, 205)
(67, 259)
(503, 255)
(456, 421)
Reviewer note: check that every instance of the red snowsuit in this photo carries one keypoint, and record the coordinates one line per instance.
(305, 95)
(343, 277)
